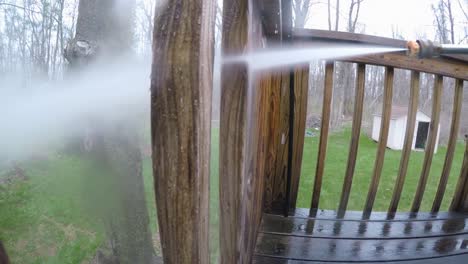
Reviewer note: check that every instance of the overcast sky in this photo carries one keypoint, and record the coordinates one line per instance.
(411, 17)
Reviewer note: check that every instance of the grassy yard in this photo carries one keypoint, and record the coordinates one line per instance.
(45, 218)
(335, 168)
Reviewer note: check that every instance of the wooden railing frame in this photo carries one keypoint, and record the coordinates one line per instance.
(453, 67)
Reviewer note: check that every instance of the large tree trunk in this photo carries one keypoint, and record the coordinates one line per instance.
(104, 29)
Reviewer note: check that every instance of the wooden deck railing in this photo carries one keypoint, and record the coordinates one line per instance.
(446, 67)
(260, 155)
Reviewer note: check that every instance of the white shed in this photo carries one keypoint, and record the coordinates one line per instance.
(396, 136)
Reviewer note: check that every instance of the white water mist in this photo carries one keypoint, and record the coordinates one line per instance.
(33, 118)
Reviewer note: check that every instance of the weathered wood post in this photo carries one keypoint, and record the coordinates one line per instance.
(181, 86)
(287, 113)
(241, 150)
(460, 198)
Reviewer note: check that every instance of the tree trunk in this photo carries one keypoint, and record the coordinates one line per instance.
(105, 26)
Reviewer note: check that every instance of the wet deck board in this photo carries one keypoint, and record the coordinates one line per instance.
(459, 259)
(441, 238)
(327, 228)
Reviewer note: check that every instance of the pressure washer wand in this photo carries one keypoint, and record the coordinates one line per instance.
(428, 49)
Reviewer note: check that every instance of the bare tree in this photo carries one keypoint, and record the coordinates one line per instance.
(346, 72)
(105, 29)
(301, 12)
(353, 15)
(444, 21)
(337, 15)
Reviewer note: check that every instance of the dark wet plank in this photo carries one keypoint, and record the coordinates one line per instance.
(379, 216)
(342, 229)
(321, 249)
(458, 259)
(380, 230)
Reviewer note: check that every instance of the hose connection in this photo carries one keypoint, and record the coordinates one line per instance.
(423, 49)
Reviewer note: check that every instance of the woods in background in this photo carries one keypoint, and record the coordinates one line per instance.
(344, 15)
(34, 33)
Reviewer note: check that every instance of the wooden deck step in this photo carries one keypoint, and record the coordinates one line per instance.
(422, 238)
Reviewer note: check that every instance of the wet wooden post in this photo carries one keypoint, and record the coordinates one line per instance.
(241, 151)
(460, 197)
(181, 85)
(455, 126)
(281, 191)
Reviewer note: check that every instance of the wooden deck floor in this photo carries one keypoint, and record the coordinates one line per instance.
(441, 238)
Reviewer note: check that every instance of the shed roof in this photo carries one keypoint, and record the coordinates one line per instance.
(399, 111)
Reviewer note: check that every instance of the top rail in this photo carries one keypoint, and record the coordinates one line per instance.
(455, 66)
(446, 66)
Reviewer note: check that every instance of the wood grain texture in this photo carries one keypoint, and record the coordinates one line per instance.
(241, 149)
(408, 144)
(430, 145)
(356, 216)
(378, 230)
(281, 191)
(324, 130)
(383, 138)
(181, 85)
(355, 134)
(359, 250)
(272, 179)
(276, 167)
(455, 126)
(460, 196)
(301, 87)
(457, 259)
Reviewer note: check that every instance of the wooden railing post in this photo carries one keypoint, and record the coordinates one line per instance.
(181, 85)
(456, 113)
(287, 119)
(408, 144)
(356, 132)
(383, 138)
(278, 135)
(431, 142)
(322, 152)
(242, 123)
(460, 197)
(301, 89)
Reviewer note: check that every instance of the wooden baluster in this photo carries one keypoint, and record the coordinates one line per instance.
(322, 152)
(456, 113)
(408, 144)
(301, 89)
(460, 196)
(383, 138)
(430, 145)
(356, 131)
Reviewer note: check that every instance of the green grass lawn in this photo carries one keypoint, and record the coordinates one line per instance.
(45, 218)
(335, 168)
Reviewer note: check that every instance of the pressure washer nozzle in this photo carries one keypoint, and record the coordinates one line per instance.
(423, 49)
(413, 48)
